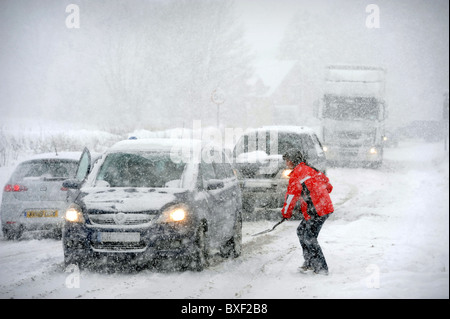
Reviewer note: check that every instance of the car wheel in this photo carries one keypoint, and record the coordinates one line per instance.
(12, 234)
(233, 247)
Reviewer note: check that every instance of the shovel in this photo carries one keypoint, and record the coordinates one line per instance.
(270, 229)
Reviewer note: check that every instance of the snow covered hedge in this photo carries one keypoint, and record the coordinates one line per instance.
(16, 144)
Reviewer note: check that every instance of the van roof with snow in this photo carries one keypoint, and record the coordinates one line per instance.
(282, 128)
(161, 144)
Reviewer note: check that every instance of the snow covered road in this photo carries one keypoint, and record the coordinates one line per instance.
(388, 238)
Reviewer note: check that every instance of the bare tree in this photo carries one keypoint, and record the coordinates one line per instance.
(162, 61)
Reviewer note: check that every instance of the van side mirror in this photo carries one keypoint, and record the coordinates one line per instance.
(214, 184)
(71, 184)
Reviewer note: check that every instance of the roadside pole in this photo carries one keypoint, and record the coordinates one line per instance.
(445, 115)
(218, 97)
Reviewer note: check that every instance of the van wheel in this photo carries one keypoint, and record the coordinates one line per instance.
(72, 260)
(199, 258)
(233, 247)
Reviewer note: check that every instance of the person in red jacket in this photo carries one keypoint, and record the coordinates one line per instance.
(312, 188)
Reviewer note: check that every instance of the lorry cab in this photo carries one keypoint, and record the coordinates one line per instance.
(352, 114)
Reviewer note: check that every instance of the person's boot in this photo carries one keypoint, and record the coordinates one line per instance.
(322, 271)
(305, 268)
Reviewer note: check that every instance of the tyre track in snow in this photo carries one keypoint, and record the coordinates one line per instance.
(42, 281)
(253, 262)
(343, 190)
(251, 265)
(42, 260)
(352, 192)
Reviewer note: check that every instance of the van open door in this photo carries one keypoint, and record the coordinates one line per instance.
(84, 168)
(84, 165)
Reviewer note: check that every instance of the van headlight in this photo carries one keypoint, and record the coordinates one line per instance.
(285, 173)
(174, 214)
(74, 214)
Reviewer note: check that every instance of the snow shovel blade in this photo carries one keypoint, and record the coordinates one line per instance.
(270, 229)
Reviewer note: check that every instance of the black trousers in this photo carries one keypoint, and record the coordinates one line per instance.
(307, 233)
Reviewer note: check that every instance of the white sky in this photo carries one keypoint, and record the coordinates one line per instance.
(265, 22)
(412, 44)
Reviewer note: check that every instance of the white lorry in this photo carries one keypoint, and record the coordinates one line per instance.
(352, 113)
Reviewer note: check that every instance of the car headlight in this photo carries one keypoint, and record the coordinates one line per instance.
(325, 148)
(174, 214)
(286, 172)
(373, 150)
(74, 214)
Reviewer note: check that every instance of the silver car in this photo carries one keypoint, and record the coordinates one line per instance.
(34, 198)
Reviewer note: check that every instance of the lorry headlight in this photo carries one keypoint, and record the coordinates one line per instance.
(74, 214)
(373, 150)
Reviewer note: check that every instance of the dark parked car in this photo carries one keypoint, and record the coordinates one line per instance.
(34, 198)
(154, 199)
(262, 171)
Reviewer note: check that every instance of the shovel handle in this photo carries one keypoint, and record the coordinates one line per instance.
(279, 223)
(270, 229)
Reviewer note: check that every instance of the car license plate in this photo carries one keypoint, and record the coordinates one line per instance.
(41, 213)
(128, 237)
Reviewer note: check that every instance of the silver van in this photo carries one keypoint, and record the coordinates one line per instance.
(262, 171)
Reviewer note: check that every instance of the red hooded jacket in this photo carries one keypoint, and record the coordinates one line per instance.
(312, 188)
